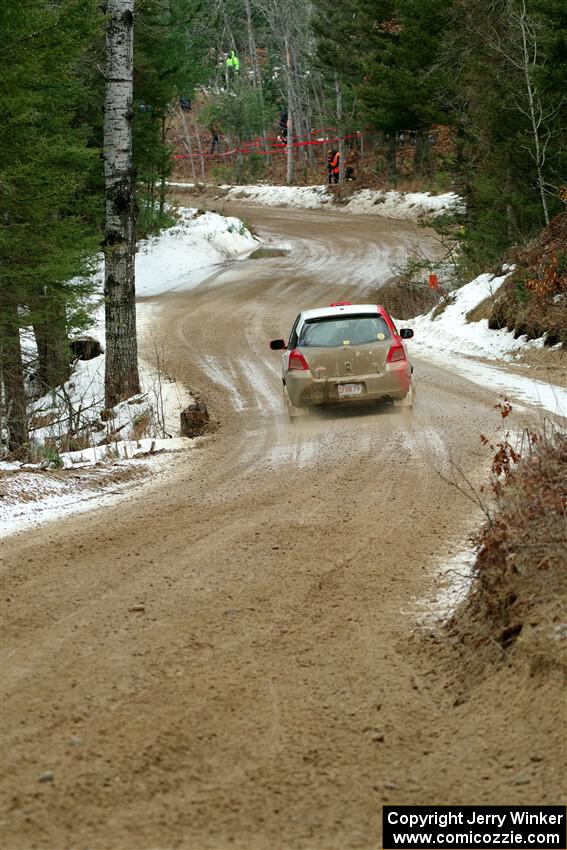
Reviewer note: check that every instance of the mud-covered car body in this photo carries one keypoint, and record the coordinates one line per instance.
(344, 353)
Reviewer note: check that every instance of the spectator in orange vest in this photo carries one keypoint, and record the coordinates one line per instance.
(333, 166)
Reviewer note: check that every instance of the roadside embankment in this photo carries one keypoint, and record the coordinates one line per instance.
(79, 450)
(515, 611)
(408, 206)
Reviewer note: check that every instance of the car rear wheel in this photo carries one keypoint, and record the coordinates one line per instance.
(408, 402)
(292, 412)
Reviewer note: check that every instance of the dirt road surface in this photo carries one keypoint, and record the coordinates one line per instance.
(235, 659)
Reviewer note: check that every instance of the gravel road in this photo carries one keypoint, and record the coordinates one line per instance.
(235, 659)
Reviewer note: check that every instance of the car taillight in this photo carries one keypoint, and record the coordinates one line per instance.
(297, 361)
(396, 352)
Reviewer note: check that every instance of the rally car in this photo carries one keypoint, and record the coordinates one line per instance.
(345, 353)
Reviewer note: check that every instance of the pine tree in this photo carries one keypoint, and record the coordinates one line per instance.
(47, 234)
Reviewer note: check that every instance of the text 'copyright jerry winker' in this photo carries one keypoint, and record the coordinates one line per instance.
(480, 827)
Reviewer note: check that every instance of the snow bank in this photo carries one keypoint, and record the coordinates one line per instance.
(176, 259)
(397, 205)
(77, 407)
(180, 257)
(123, 450)
(451, 330)
(298, 197)
(147, 424)
(453, 342)
(404, 205)
(109, 453)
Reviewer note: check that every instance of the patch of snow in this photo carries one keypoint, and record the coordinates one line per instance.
(218, 375)
(78, 404)
(453, 342)
(182, 256)
(177, 259)
(123, 450)
(297, 197)
(454, 579)
(451, 330)
(403, 205)
(549, 397)
(31, 498)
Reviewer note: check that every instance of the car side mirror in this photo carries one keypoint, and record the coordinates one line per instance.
(277, 344)
(406, 333)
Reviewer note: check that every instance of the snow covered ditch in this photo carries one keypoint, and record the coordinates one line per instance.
(448, 338)
(31, 497)
(389, 204)
(176, 259)
(73, 417)
(74, 413)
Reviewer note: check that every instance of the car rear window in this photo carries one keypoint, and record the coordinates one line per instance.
(334, 331)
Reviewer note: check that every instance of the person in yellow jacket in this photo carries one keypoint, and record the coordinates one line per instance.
(233, 62)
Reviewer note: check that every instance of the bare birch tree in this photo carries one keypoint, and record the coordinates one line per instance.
(520, 50)
(256, 72)
(121, 376)
(291, 118)
(339, 98)
(289, 21)
(533, 109)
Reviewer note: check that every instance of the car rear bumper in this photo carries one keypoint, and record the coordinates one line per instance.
(393, 383)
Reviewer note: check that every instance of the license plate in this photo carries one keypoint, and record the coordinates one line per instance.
(349, 389)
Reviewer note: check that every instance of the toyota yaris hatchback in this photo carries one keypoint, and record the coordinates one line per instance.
(344, 353)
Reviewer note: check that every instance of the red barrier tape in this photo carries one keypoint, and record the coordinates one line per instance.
(258, 146)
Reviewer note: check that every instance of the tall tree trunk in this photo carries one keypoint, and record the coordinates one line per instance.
(187, 142)
(201, 157)
(511, 227)
(290, 120)
(256, 78)
(163, 167)
(392, 151)
(309, 153)
(226, 29)
(256, 74)
(121, 376)
(50, 332)
(422, 158)
(339, 97)
(299, 115)
(529, 53)
(13, 374)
